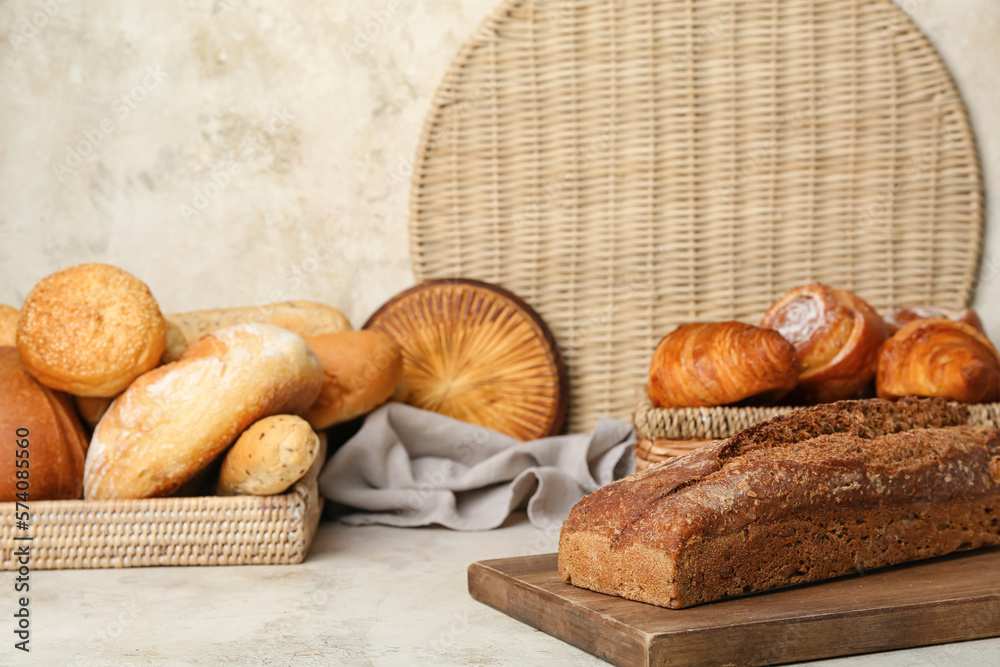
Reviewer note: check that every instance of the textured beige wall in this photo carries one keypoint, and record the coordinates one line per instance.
(248, 151)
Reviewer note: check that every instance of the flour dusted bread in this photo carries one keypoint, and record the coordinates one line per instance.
(836, 335)
(176, 419)
(90, 330)
(269, 457)
(898, 318)
(818, 493)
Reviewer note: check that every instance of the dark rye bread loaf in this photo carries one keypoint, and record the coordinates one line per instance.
(818, 493)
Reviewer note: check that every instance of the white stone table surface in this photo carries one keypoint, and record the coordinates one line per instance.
(365, 596)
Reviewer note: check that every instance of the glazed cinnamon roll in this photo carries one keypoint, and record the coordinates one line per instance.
(719, 363)
(836, 335)
(939, 357)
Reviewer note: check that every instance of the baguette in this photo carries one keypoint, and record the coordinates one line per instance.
(269, 457)
(174, 420)
(814, 494)
(305, 318)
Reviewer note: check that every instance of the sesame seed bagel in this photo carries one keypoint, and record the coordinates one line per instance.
(90, 330)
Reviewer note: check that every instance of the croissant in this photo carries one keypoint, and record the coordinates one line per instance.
(900, 317)
(939, 357)
(719, 363)
(836, 335)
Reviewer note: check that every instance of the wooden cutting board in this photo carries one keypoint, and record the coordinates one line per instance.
(947, 599)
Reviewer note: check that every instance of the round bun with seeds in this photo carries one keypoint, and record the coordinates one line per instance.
(90, 330)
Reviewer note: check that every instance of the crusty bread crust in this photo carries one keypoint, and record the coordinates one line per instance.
(176, 419)
(811, 495)
(57, 444)
(361, 371)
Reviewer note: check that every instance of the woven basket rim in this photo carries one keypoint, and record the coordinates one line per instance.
(301, 504)
(719, 422)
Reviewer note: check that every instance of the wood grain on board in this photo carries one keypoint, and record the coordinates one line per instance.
(947, 599)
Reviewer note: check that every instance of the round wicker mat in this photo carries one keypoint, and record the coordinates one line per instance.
(629, 166)
(479, 354)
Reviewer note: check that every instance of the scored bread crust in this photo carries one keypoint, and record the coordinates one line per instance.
(810, 495)
(176, 419)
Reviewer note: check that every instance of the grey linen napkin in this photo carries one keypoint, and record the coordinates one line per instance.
(411, 467)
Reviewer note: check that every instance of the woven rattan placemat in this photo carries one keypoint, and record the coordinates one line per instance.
(629, 166)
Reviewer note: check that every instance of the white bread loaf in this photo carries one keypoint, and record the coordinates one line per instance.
(174, 420)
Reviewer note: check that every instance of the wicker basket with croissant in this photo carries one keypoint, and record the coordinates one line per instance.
(815, 344)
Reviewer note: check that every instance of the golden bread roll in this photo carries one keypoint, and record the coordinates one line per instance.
(718, 363)
(900, 317)
(92, 408)
(836, 335)
(939, 357)
(305, 318)
(361, 371)
(90, 330)
(8, 326)
(176, 343)
(174, 420)
(269, 457)
(43, 418)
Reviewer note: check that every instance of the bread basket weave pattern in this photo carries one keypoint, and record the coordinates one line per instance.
(208, 530)
(626, 167)
(667, 433)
